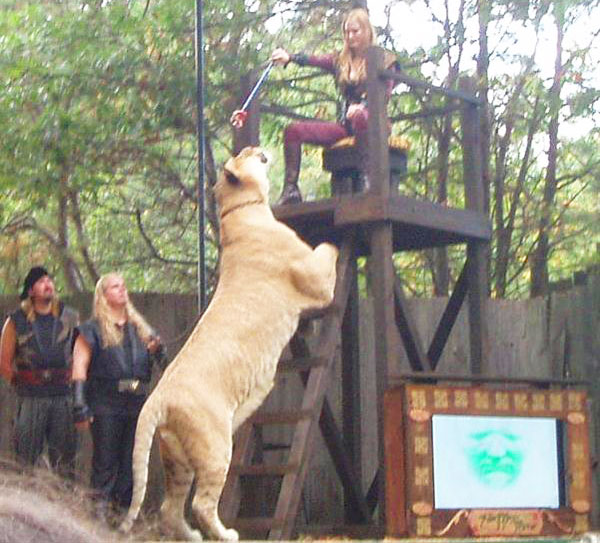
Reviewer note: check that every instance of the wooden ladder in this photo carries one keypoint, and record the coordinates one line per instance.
(251, 462)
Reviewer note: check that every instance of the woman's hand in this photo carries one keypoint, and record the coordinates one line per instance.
(355, 110)
(83, 425)
(154, 344)
(280, 57)
(238, 118)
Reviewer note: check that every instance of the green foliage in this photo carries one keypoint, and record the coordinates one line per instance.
(98, 156)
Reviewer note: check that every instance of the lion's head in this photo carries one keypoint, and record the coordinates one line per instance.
(244, 179)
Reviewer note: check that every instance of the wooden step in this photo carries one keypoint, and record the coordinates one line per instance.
(280, 417)
(291, 365)
(254, 524)
(263, 469)
(310, 314)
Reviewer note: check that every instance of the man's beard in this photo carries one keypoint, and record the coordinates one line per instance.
(45, 298)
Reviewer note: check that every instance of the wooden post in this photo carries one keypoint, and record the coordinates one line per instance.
(351, 405)
(249, 134)
(380, 262)
(379, 156)
(476, 251)
(386, 337)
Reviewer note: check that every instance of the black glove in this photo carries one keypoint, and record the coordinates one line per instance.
(81, 410)
(159, 357)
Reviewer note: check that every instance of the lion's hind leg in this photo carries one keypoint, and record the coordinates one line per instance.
(178, 481)
(211, 465)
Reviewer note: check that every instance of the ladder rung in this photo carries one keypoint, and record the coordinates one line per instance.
(301, 364)
(264, 469)
(254, 524)
(308, 314)
(280, 417)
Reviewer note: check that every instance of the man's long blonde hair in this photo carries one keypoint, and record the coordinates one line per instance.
(347, 63)
(112, 334)
(29, 310)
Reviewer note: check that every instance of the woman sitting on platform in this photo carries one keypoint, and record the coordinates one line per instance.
(350, 71)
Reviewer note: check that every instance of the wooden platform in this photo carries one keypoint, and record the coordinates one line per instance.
(417, 224)
(376, 224)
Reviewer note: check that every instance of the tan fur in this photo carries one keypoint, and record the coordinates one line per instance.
(268, 276)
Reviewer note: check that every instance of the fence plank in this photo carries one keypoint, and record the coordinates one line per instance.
(540, 338)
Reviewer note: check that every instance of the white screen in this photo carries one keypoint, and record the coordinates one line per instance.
(488, 462)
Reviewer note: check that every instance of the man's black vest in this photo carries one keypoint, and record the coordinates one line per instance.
(44, 351)
(47, 342)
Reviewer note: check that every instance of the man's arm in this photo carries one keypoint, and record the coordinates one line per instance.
(8, 346)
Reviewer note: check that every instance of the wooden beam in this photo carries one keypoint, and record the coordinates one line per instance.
(396, 479)
(363, 208)
(373, 491)
(540, 382)
(378, 129)
(381, 243)
(351, 404)
(386, 341)
(409, 331)
(448, 319)
(476, 251)
(464, 94)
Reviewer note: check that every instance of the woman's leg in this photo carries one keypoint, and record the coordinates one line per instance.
(107, 434)
(295, 134)
(124, 484)
(358, 127)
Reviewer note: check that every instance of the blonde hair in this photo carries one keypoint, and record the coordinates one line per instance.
(112, 334)
(347, 63)
(28, 309)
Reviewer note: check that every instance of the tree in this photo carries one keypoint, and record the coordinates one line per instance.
(97, 160)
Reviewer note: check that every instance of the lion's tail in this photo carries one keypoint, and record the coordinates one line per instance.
(149, 419)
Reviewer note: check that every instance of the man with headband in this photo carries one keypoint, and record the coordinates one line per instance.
(36, 359)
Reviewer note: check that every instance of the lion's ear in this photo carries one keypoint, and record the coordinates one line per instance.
(231, 178)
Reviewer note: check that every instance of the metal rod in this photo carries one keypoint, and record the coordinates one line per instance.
(200, 131)
(257, 87)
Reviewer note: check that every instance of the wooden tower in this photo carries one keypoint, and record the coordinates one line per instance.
(375, 224)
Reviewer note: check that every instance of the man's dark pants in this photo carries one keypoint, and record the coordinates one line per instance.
(46, 419)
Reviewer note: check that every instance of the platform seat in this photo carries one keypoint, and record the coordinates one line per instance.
(342, 160)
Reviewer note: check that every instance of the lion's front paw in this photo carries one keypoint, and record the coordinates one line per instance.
(331, 249)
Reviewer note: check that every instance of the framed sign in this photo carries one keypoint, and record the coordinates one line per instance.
(481, 461)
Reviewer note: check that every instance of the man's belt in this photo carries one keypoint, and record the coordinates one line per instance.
(39, 377)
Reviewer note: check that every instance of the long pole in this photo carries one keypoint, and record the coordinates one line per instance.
(201, 156)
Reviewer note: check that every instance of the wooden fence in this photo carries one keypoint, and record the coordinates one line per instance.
(553, 337)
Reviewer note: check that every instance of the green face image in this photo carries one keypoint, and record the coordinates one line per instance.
(496, 457)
